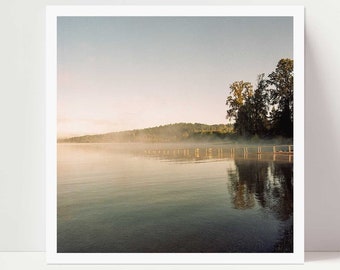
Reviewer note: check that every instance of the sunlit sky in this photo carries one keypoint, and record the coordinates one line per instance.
(122, 73)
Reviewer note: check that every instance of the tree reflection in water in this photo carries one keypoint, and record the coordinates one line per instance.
(268, 186)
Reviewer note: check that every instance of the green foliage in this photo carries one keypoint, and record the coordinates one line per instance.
(268, 110)
(167, 133)
(240, 92)
(281, 83)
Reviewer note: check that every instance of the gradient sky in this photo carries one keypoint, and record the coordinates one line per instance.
(121, 73)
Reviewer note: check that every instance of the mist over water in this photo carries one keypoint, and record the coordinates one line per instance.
(172, 198)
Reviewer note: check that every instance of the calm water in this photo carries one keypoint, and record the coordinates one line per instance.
(171, 198)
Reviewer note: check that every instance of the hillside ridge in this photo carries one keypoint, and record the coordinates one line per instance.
(164, 133)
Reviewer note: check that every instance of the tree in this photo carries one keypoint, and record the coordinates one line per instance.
(259, 107)
(240, 91)
(237, 101)
(281, 83)
(250, 109)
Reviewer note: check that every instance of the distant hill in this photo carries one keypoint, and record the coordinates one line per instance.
(167, 133)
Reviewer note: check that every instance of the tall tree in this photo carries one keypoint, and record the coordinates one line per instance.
(240, 91)
(281, 83)
(249, 108)
(237, 101)
(259, 107)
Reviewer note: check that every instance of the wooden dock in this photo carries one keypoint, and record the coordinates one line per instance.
(259, 152)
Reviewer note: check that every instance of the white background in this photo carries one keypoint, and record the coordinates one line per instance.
(22, 115)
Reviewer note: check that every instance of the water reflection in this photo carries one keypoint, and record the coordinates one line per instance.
(121, 198)
(259, 180)
(268, 185)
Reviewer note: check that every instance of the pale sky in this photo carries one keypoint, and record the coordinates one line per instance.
(122, 73)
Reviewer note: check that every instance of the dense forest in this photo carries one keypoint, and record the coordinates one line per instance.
(267, 110)
(167, 133)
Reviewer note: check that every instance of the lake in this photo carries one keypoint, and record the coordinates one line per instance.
(171, 198)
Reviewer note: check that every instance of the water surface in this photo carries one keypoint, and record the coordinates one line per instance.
(171, 198)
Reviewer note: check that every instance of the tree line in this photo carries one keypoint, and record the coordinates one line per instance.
(166, 133)
(267, 110)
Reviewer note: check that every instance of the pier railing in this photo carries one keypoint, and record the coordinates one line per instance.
(259, 152)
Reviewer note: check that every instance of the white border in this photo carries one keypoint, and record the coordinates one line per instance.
(297, 257)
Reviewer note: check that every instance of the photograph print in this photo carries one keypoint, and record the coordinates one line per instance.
(175, 134)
